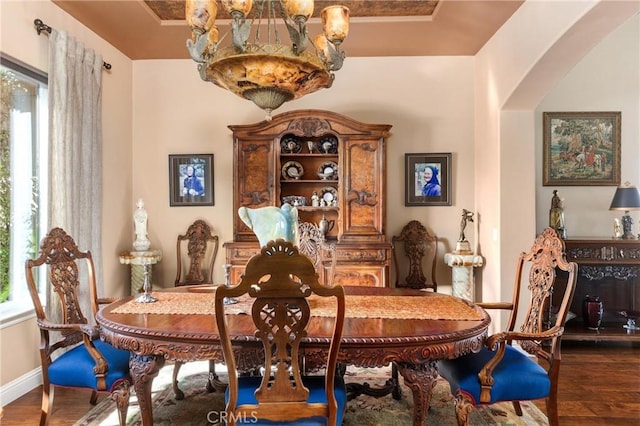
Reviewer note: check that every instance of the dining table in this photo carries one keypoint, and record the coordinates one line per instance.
(412, 329)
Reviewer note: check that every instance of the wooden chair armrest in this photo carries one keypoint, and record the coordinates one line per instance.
(507, 336)
(495, 305)
(88, 330)
(51, 326)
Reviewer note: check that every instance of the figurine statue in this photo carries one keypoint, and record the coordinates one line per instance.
(467, 216)
(556, 215)
(315, 199)
(141, 242)
(617, 228)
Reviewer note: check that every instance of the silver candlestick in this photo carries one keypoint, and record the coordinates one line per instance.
(146, 297)
(227, 283)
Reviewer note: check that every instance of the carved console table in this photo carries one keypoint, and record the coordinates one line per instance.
(609, 269)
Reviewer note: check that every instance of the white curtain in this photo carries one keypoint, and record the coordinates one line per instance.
(75, 149)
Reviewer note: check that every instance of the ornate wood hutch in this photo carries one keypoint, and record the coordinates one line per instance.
(300, 153)
(609, 269)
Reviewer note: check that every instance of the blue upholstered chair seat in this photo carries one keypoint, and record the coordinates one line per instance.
(517, 377)
(248, 385)
(75, 367)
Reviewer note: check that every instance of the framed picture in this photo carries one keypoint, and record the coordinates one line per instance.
(427, 179)
(581, 149)
(191, 180)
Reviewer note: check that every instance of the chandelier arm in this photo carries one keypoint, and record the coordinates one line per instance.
(197, 49)
(298, 36)
(240, 30)
(336, 57)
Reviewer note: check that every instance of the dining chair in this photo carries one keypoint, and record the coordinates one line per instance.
(501, 371)
(71, 352)
(282, 290)
(417, 249)
(420, 248)
(313, 244)
(196, 252)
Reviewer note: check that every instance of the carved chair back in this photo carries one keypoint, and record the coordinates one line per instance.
(201, 250)
(312, 244)
(419, 251)
(280, 281)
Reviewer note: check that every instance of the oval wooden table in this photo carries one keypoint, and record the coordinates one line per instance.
(370, 339)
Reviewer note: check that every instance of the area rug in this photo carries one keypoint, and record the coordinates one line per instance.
(201, 408)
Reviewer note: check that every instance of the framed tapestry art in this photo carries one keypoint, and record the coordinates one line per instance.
(581, 148)
(427, 179)
(191, 180)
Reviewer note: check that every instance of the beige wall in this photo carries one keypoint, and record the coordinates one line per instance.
(435, 104)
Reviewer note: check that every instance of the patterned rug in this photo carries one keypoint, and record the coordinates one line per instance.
(200, 407)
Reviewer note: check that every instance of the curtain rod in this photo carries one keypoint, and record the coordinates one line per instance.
(41, 26)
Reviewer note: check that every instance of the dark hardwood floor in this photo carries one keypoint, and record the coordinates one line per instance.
(599, 385)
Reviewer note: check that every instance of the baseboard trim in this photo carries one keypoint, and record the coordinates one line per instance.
(20, 386)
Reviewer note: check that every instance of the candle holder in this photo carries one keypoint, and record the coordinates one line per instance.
(227, 283)
(146, 297)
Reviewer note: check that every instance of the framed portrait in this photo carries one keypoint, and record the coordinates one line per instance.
(191, 180)
(581, 148)
(427, 179)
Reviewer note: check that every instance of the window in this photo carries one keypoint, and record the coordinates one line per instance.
(23, 178)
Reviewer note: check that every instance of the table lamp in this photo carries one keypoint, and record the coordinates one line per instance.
(627, 197)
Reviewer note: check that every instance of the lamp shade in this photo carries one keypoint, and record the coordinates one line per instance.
(627, 197)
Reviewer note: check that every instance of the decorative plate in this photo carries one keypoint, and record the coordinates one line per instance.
(328, 171)
(327, 145)
(292, 170)
(329, 195)
(290, 145)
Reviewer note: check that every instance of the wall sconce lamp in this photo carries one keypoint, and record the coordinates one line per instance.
(627, 197)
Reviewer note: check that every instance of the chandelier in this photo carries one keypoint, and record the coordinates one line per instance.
(268, 73)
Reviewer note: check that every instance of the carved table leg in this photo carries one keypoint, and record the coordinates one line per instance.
(421, 379)
(145, 368)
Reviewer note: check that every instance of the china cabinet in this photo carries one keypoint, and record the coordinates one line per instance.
(332, 168)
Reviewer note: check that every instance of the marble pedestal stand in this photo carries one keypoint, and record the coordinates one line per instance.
(141, 263)
(462, 261)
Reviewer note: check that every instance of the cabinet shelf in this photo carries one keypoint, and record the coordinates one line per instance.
(318, 209)
(309, 181)
(290, 155)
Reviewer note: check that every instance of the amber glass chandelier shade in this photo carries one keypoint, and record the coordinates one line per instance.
(242, 6)
(321, 44)
(335, 23)
(299, 9)
(201, 14)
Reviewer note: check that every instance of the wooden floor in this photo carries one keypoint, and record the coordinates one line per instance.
(599, 385)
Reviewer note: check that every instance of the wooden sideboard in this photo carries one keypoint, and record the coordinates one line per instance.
(609, 269)
(285, 158)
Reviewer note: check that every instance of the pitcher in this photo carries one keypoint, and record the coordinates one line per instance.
(325, 225)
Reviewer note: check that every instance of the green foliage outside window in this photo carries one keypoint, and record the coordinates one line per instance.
(8, 84)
